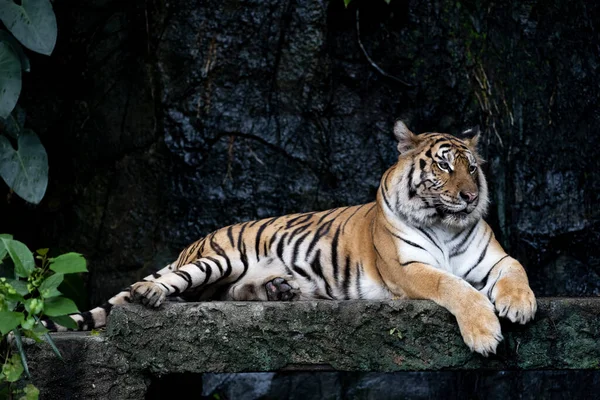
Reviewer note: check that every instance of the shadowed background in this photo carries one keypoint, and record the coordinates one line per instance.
(166, 120)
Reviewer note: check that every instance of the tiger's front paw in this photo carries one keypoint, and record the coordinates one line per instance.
(515, 302)
(150, 294)
(480, 327)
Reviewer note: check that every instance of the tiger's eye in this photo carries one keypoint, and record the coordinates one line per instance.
(444, 166)
(472, 169)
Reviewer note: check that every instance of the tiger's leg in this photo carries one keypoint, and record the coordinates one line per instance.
(96, 317)
(510, 292)
(204, 271)
(479, 326)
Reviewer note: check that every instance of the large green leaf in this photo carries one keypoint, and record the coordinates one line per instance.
(68, 263)
(57, 306)
(21, 256)
(33, 23)
(25, 170)
(48, 287)
(18, 49)
(10, 78)
(9, 320)
(3, 250)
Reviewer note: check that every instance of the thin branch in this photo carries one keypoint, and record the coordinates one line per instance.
(377, 67)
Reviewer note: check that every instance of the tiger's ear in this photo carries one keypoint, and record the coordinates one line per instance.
(471, 136)
(406, 139)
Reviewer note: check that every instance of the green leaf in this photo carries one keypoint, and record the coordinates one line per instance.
(21, 256)
(13, 124)
(13, 368)
(346, 2)
(65, 320)
(50, 284)
(10, 78)
(25, 170)
(33, 23)
(42, 252)
(53, 346)
(57, 306)
(31, 393)
(17, 48)
(19, 344)
(3, 250)
(387, 1)
(68, 263)
(9, 320)
(19, 286)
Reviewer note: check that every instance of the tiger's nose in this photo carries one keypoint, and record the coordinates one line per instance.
(469, 197)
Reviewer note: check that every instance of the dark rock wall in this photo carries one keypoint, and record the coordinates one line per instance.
(166, 120)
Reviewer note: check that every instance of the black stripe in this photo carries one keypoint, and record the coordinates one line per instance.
(405, 240)
(165, 286)
(200, 266)
(298, 231)
(261, 228)
(321, 231)
(346, 282)
(352, 215)
(326, 214)
(219, 250)
(430, 238)
(483, 282)
(280, 246)
(207, 275)
(156, 275)
(457, 249)
(295, 256)
(411, 191)
(410, 262)
(301, 272)
(316, 266)
(88, 320)
(358, 274)
(217, 263)
(385, 199)
(481, 256)
(334, 254)
(186, 277)
(298, 220)
(49, 324)
(242, 248)
(230, 235)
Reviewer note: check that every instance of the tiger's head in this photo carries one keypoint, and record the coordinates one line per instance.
(438, 179)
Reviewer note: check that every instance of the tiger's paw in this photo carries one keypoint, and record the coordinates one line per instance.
(280, 289)
(515, 302)
(149, 294)
(480, 328)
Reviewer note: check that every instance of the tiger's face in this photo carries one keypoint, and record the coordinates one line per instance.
(442, 178)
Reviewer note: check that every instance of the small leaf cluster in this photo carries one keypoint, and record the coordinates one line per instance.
(31, 24)
(29, 293)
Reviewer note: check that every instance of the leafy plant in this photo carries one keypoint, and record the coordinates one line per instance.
(28, 294)
(31, 23)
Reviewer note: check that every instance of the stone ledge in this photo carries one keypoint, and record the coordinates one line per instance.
(315, 335)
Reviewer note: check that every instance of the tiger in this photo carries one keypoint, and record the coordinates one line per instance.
(424, 237)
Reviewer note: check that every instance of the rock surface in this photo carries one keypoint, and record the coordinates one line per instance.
(142, 346)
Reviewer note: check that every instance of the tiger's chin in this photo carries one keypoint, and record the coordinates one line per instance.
(459, 219)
